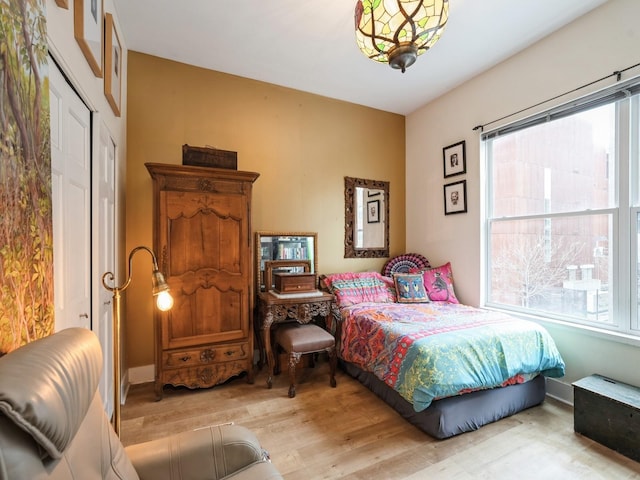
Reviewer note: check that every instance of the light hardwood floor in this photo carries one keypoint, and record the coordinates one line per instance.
(348, 433)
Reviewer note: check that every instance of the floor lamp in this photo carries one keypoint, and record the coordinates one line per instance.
(164, 302)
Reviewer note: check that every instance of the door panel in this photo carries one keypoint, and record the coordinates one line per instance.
(104, 254)
(71, 195)
(83, 195)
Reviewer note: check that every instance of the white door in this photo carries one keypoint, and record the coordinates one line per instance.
(104, 253)
(71, 198)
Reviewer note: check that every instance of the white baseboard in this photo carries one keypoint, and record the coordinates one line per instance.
(561, 391)
(124, 387)
(134, 376)
(143, 374)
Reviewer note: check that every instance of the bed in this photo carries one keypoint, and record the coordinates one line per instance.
(447, 368)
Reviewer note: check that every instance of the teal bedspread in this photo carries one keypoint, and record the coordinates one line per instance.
(434, 350)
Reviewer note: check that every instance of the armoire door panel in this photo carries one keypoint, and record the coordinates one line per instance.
(190, 281)
(206, 311)
(204, 240)
(230, 240)
(187, 204)
(217, 312)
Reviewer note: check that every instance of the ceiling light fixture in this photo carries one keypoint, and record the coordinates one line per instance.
(397, 31)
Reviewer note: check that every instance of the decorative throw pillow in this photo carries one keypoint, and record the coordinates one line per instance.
(353, 288)
(405, 263)
(439, 284)
(410, 288)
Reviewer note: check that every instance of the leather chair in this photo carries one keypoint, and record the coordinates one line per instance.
(53, 425)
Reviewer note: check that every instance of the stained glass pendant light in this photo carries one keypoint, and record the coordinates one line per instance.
(397, 31)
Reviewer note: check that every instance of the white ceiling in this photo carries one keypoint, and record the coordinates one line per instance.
(310, 45)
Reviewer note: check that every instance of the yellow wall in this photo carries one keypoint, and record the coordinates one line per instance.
(302, 145)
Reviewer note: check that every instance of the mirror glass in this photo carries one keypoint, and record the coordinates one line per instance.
(292, 252)
(366, 218)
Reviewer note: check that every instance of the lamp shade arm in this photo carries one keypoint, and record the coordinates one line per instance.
(142, 247)
(110, 277)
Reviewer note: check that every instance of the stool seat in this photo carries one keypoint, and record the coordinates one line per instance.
(297, 340)
(303, 338)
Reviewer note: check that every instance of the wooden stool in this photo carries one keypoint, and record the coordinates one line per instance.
(297, 340)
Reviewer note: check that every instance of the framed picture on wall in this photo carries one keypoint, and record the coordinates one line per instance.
(373, 211)
(112, 64)
(455, 197)
(88, 28)
(454, 160)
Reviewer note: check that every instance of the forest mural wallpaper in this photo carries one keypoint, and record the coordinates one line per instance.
(26, 248)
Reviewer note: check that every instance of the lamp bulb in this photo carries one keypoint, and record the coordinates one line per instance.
(164, 301)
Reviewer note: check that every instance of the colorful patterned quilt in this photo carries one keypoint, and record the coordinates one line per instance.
(434, 350)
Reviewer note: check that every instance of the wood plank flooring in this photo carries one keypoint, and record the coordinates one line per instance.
(348, 433)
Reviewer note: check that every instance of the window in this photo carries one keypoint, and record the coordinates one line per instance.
(562, 230)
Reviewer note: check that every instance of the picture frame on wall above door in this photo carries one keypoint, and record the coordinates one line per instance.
(454, 159)
(112, 64)
(88, 25)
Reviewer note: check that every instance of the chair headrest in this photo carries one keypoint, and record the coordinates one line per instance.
(47, 385)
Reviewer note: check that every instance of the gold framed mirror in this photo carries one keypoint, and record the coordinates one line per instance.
(290, 251)
(366, 218)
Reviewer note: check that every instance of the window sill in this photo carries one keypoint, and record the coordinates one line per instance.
(604, 334)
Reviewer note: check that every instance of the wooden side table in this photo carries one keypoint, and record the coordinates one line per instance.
(279, 309)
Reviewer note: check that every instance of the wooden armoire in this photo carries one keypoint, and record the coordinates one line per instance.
(202, 236)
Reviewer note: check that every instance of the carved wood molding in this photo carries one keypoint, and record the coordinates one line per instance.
(350, 249)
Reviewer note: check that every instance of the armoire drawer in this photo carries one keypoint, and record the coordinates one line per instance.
(204, 376)
(205, 355)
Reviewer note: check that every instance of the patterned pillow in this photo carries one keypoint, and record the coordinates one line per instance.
(439, 284)
(410, 288)
(353, 288)
(404, 264)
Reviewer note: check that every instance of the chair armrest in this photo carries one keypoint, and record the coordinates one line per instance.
(256, 471)
(206, 453)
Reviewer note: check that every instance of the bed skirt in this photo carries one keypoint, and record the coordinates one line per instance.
(464, 413)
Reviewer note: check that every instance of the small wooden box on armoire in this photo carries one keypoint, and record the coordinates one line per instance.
(608, 412)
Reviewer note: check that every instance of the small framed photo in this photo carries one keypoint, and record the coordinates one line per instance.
(454, 159)
(455, 197)
(373, 211)
(88, 26)
(112, 64)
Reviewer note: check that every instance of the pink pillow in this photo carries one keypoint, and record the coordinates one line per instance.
(353, 288)
(439, 284)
